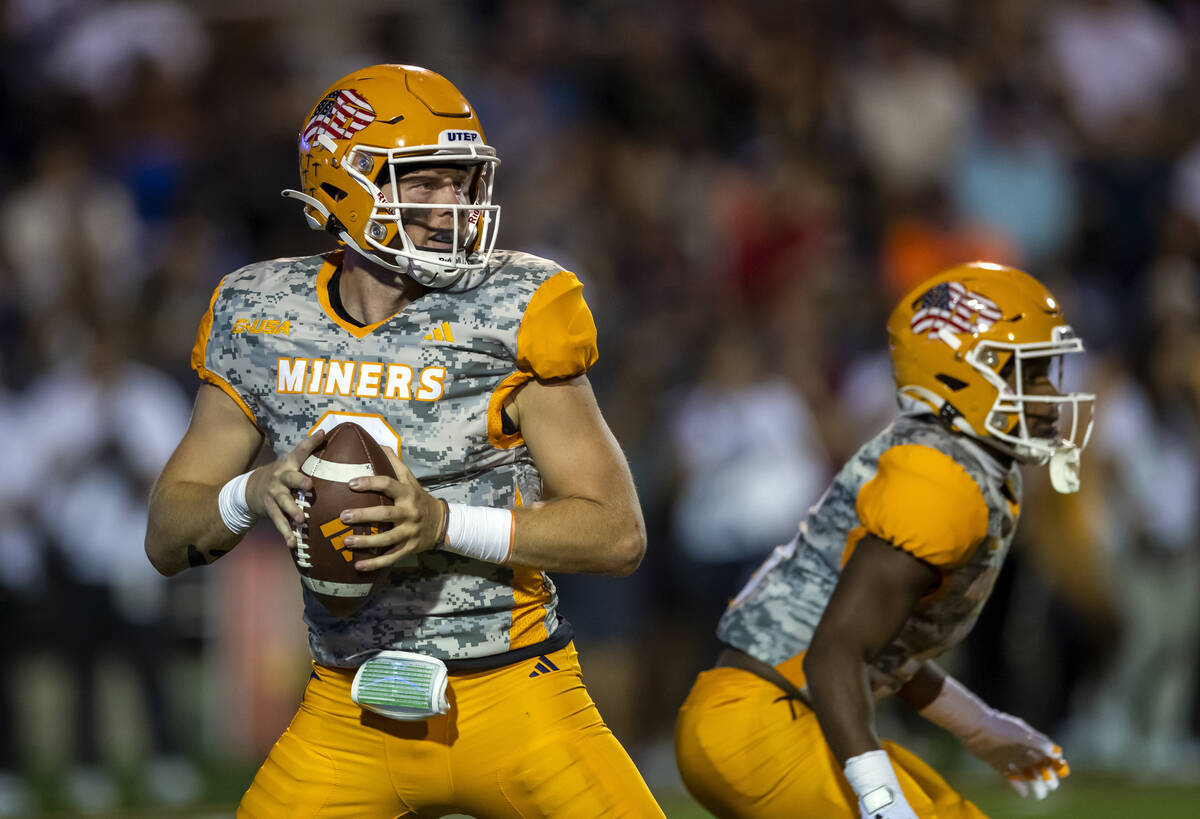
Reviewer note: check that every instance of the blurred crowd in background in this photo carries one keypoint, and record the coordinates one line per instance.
(745, 187)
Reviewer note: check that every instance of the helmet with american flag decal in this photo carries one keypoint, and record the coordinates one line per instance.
(368, 129)
(966, 343)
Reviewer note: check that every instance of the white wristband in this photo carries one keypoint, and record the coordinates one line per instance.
(231, 500)
(873, 779)
(955, 708)
(480, 532)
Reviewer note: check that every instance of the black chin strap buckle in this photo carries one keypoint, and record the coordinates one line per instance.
(948, 413)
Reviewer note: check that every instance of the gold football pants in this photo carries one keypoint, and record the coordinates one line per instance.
(745, 750)
(524, 741)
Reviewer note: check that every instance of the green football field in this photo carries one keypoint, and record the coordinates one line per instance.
(1081, 797)
(1078, 798)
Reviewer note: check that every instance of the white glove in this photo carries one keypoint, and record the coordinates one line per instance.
(873, 779)
(1028, 759)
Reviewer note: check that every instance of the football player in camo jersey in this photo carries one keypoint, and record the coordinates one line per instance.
(890, 569)
(469, 364)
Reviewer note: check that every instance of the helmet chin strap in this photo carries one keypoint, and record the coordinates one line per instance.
(919, 400)
(288, 193)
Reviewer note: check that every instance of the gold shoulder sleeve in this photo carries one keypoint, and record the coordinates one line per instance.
(557, 336)
(921, 500)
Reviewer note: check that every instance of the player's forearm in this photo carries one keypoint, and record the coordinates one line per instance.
(841, 699)
(580, 535)
(185, 527)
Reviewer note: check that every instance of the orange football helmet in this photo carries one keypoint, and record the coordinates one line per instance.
(961, 344)
(363, 128)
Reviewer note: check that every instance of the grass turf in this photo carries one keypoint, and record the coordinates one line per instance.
(1079, 798)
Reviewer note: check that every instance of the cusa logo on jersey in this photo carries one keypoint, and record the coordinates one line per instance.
(360, 379)
(271, 327)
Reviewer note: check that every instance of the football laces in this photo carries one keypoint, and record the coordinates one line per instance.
(301, 533)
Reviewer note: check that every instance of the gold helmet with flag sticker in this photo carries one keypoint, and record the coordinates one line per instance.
(966, 342)
(366, 131)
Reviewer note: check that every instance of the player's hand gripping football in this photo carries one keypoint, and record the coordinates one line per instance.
(1028, 759)
(417, 517)
(270, 490)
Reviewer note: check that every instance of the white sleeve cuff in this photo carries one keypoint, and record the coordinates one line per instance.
(873, 779)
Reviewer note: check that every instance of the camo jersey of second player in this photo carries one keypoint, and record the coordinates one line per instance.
(435, 376)
(918, 486)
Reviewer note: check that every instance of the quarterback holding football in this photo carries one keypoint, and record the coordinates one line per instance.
(890, 569)
(443, 382)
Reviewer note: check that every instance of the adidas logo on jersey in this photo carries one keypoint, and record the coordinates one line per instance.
(441, 333)
(544, 666)
(271, 327)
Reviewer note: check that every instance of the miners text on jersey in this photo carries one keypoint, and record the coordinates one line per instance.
(360, 379)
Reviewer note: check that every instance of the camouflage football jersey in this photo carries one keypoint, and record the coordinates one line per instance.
(918, 486)
(430, 381)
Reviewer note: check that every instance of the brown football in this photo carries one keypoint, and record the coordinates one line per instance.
(325, 563)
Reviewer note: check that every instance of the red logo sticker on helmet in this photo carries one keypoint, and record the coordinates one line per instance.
(341, 114)
(951, 305)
